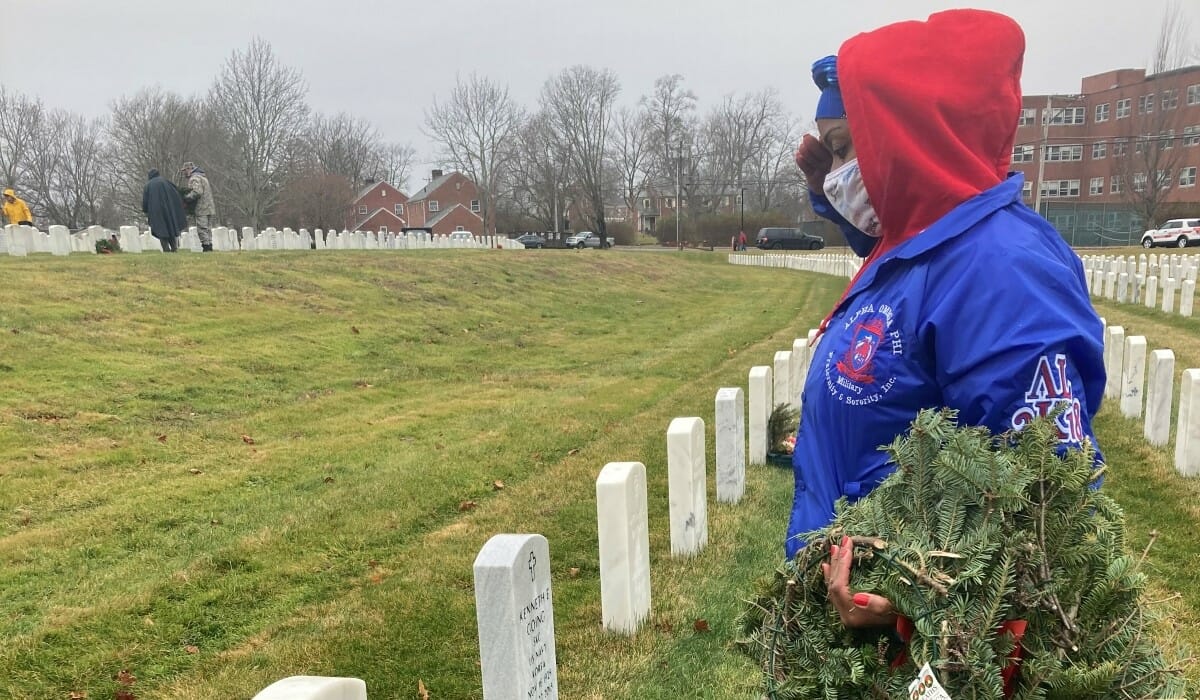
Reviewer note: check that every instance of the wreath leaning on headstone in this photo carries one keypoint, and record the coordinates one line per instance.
(1008, 569)
(107, 246)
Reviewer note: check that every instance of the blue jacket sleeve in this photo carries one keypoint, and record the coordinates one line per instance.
(859, 242)
(1013, 335)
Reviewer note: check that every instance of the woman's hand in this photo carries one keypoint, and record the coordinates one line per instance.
(815, 161)
(857, 609)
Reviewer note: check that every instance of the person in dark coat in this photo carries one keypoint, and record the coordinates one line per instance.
(164, 208)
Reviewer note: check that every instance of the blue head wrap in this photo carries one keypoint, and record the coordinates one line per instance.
(824, 73)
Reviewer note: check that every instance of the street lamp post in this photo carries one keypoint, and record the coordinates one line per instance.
(742, 212)
(679, 197)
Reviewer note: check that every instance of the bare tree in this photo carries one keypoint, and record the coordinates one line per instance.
(152, 129)
(314, 200)
(345, 145)
(1149, 150)
(579, 102)
(476, 128)
(631, 156)
(539, 172)
(1174, 48)
(259, 105)
(20, 119)
(669, 113)
(395, 164)
(68, 173)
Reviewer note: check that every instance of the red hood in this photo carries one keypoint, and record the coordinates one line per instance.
(932, 108)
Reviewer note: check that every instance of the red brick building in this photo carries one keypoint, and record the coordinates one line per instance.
(450, 202)
(1125, 149)
(378, 207)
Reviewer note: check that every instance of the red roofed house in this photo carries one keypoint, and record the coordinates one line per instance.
(378, 207)
(450, 202)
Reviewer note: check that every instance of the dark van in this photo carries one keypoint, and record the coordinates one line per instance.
(787, 238)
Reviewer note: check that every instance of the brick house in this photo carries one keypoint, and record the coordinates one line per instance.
(1095, 162)
(378, 207)
(450, 202)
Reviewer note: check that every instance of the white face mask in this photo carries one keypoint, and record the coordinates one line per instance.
(848, 195)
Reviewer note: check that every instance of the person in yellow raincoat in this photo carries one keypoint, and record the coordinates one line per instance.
(15, 209)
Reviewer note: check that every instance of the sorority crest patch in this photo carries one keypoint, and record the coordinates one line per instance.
(853, 373)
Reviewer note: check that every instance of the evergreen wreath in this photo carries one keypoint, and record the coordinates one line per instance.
(972, 535)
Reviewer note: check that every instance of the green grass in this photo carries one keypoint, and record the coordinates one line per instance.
(267, 457)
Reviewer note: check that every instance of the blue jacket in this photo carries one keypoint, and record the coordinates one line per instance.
(986, 311)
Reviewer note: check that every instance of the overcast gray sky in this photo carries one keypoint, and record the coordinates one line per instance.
(386, 59)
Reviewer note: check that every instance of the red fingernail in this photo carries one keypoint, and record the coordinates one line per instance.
(862, 599)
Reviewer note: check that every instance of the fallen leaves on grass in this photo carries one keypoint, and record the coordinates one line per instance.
(328, 479)
(354, 330)
(77, 695)
(574, 571)
(700, 625)
(192, 649)
(467, 505)
(124, 677)
(422, 693)
(362, 385)
(193, 470)
(162, 438)
(497, 485)
(247, 439)
(573, 452)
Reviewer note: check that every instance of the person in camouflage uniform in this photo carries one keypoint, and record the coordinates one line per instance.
(200, 194)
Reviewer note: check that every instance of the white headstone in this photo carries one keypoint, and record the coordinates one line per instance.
(1168, 304)
(515, 612)
(1187, 296)
(624, 539)
(760, 390)
(1122, 288)
(687, 486)
(314, 688)
(799, 370)
(60, 240)
(1151, 292)
(1159, 392)
(730, 436)
(1133, 376)
(1187, 430)
(783, 377)
(1114, 350)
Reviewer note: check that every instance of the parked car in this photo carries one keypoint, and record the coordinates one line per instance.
(531, 240)
(587, 239)
(1175, 232)
(462, 236)
(776, 238)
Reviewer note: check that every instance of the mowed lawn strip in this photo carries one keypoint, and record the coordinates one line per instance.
(207, 458)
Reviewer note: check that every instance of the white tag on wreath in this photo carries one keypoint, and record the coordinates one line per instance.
(926, 686)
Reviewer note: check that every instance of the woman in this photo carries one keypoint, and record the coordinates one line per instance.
(966, 299)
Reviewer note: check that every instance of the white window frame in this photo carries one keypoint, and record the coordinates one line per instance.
(1101, 113)
(398, 209)
(1193, 95)
(382, 229)
(1027, 190)
(1187, 176)
(460, 228)
(645, 202)
(1124, 108)
(1146, 104)
(1170, 99)
(1191, 135)
(1096, 186)
(475, 205)
(1057, 116)
(1064, 153)
(1163, 178)
(1167, 138)
(434, 206)
(1099, 150)
(1139, 182)
(1028, 116)
(1114, 185)
(1120, 148)
(362, 209)
(1060, 189)
(1022, 154)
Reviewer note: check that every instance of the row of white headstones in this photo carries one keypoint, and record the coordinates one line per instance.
(58, 240)
(1137, 281)
(513, 597)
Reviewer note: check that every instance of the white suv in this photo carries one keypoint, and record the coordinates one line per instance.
(1176, 232)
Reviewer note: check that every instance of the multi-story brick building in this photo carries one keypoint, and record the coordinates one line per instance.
(377, 207)
(1123, 153)
(450, 202)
